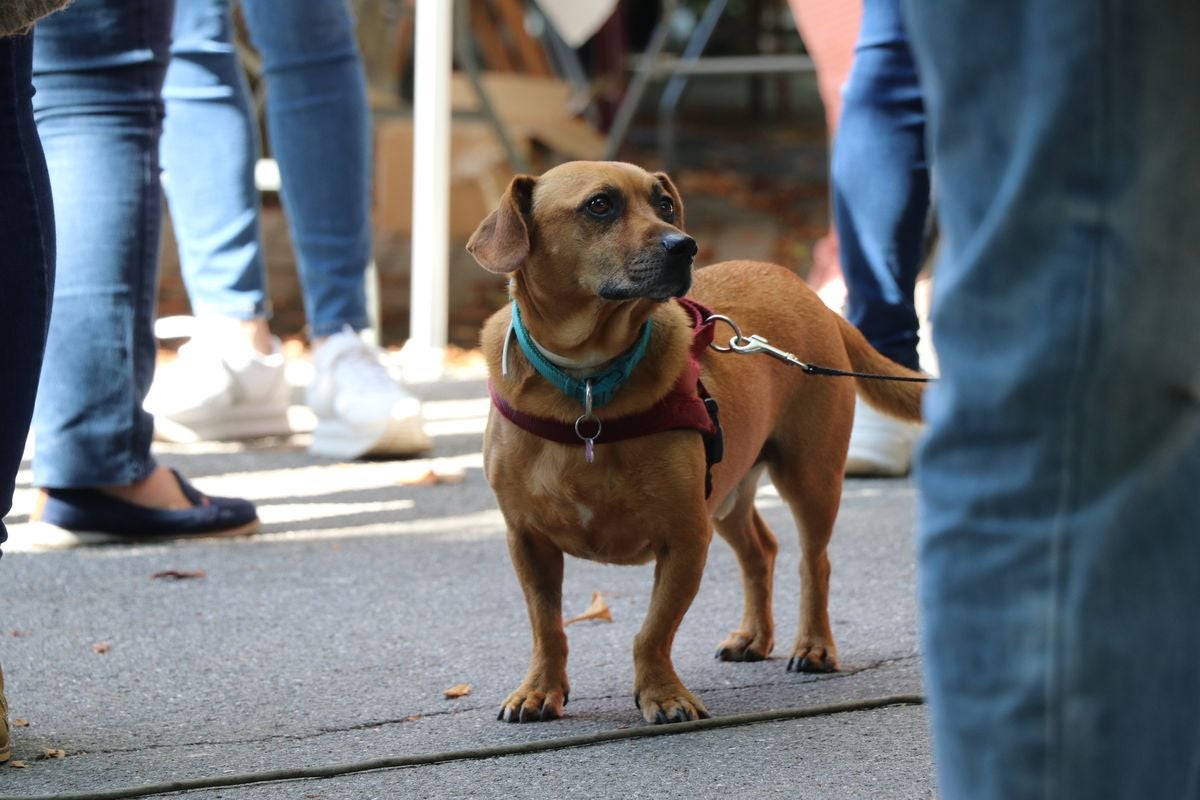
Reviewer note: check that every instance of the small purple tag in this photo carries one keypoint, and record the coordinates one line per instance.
(589, 451)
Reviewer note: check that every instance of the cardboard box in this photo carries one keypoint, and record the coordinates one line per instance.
(479, 173)
(533, 109)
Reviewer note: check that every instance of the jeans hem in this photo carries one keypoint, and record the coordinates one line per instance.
(317, 331)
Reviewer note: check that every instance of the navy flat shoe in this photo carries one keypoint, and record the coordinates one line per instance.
(88, 516)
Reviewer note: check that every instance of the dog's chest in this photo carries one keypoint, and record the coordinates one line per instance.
(600, 511)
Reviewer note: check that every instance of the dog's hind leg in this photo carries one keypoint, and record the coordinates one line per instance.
(813, 491)
(755, 547)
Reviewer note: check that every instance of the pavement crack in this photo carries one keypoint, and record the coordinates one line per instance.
(417, 717)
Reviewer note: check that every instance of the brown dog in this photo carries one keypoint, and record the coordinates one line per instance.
(595, 251)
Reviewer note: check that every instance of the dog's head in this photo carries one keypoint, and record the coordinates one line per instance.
(590, 229)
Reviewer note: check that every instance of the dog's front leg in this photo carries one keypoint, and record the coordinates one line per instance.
(658, 692)
(543, 693)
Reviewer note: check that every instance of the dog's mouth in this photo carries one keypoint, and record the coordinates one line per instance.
(651, 281)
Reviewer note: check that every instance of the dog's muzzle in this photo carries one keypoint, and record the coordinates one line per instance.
(656, 274)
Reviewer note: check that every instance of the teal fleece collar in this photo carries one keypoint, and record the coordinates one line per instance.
(604, 383)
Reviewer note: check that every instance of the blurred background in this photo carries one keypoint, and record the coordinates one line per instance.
(720, 93)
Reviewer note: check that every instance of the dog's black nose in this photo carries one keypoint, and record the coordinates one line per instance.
(679, 244)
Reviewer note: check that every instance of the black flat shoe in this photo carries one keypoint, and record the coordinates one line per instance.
(88, 516)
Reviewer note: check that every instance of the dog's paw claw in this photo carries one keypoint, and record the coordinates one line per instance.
(678, 705)
(742, 646)
(529, 704)
(813, 660)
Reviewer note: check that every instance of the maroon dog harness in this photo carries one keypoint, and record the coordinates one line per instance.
(688, 406)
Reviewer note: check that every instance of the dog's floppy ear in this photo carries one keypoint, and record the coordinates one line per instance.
(501, 242)
(664, 180)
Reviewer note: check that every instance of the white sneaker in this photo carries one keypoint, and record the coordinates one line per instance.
(220, 388)
(360, 410)
(880, 446)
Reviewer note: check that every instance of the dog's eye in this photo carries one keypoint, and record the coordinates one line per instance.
(666, 206)
(600, 205)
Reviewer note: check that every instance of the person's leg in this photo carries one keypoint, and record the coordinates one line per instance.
(880, 201)
(98, 70)
(1058, 551)
(26, 275)
(229, 380)
(26, 258)
(881, 184)
(209, 149)
(319, 124)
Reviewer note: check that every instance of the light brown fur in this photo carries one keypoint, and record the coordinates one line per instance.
(643, 498)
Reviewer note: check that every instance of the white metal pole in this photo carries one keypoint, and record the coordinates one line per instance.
(431, 189)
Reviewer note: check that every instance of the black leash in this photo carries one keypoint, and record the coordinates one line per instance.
(757, 344)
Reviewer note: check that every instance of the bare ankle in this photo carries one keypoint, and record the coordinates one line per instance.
(159, 489)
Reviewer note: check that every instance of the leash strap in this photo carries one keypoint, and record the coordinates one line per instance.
(816, 369)
(757, 344)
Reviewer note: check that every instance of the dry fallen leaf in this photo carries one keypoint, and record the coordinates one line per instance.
(101, 647)
(18, 633)
(457, 690)
(411, 718)
(180, 574)
(17, 764)
(597, 610)
(53, 752)
(20, 723)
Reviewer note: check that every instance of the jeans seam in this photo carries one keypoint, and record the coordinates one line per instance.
(147, 272)
(1077, 395)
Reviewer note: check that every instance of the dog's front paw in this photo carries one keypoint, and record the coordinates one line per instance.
(534, 704)
(743, 646)
(813, 657)
(669, 703)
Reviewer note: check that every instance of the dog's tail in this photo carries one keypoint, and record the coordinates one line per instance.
(900, 399)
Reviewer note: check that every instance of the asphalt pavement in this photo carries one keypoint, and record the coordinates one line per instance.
(329, 639)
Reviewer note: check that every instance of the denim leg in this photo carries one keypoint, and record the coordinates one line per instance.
(209, 148)
(319, 125)
(1059, 547)
(26, 258)
(881, 184)
(98, 69)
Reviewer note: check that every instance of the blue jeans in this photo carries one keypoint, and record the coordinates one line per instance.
(1059, 543)
(319, 126)
(26, 258)
(881, 184)
(98, 69)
